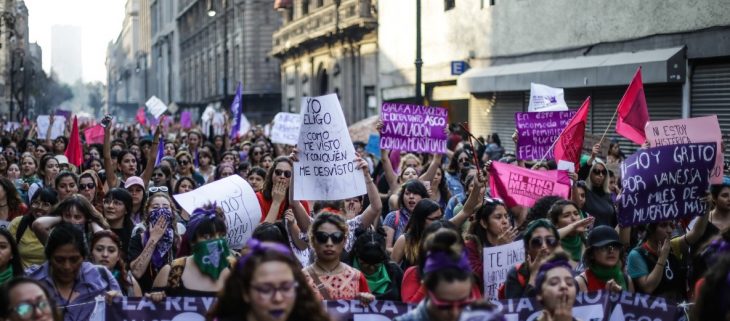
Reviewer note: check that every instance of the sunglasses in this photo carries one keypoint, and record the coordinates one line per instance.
(26, 309)
(155, 189)
(87, 186)
(598, 172)
(550, 241)
(449, 305)
(608, 248)
(336, 237)
(278, 172)
(184, 162)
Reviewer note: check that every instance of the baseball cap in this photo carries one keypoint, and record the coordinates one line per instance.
(62, 159)
(601, 236)
(134, 180)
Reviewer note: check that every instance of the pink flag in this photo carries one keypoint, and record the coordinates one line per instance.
(94, 134)
(520, 186)
(633, 114)
(141, 116)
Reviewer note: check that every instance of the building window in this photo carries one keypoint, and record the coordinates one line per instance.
(305, 7)
(320, 3)
(449, 4)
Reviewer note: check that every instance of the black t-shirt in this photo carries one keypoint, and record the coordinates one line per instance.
(598, 204)
(135, 249)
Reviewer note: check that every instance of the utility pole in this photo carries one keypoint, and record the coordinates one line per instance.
(418, 62)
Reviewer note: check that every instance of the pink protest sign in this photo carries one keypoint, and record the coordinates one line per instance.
(413, 128)
(689, 131)
(520, 186)
(94, 135)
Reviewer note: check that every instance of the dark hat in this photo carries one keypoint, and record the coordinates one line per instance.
(601, 236)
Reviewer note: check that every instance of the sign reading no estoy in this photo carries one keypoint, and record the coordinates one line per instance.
(665, 183)
(413, 128)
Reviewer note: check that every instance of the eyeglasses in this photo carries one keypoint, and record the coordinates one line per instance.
(278, 172)
(26, 309)
(268, 291)
(322, 237)
(113, 202)
(550, 241)
(39, 204)
(608, 248)
(87, 186)
(599, 172)
(449, 305)
(155, 189)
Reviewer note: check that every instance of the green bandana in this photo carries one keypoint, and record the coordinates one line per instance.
(605, 274)
(379, 281)
(574, 246)
(6, 275)
(211, 256)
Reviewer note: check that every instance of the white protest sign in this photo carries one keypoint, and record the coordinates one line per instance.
(498, 260)
(326, 169)
(237, 199)
(42, 123)
(11, 126)
(566, 166)
(286, 128)
(155, 106)
(219, 121)
(546, 98)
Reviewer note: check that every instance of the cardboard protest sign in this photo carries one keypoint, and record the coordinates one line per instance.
(497, 262)
(238, 201)
(665, 183)
(520, 186)
(599, 305)
(326, 169)
(94, 134)
(155, 106)
(286, 128)
(413, 128)
(538, 131)
(58, 129)
(544, 98)
(691, 130)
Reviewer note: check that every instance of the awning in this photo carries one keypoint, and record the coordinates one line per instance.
(658, 66)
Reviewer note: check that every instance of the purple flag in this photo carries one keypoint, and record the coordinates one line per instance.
(160, 151)
(186, 119)
(237, 111)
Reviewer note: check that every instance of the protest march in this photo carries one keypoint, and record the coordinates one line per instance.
(228, 219)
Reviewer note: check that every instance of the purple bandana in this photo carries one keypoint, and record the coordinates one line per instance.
(256, 247)
(165, 243)
(440, 260)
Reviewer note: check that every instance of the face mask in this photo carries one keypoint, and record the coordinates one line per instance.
(211, 256)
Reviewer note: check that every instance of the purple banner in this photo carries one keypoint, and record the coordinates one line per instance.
(413, 128)
(64, 113)
(172, 308)
(665, 183)
(538, 131)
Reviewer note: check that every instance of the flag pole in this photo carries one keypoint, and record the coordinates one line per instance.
(544, 156)
(607, 127)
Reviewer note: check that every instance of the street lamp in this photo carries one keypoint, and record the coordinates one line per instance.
(211, 9)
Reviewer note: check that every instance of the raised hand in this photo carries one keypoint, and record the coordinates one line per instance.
(278, 193)
(508, 236)
(158, 229)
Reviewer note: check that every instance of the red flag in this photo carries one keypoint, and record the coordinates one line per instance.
(74, 149)
(570, 142)
(632, 111)
(141, 117)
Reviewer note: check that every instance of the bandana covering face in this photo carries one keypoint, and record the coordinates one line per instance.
(165, 243)
(211, 256)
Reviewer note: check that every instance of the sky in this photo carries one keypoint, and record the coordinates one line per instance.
(100, 22)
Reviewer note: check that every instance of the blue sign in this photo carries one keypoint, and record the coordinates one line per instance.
(459, 67)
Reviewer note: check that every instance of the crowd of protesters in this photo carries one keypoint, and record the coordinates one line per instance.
(112, 227)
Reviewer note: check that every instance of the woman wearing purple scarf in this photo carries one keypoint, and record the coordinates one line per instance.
(154, 248)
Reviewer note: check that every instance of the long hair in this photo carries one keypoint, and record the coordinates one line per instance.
(42, 168)
(15, 260)
(5, 308)
(121, 266)
(415, 227)
(269, 183)
(590, 183)
(476, 230)
(454, 161)
(84, 206)
(123, 196)
(11, 194)
(232, 305)
(35, 161)
(414, 186)
(100, 188)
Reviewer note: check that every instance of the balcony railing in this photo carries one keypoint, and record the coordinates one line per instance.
(323, 23)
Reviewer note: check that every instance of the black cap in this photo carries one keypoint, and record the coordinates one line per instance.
(601, 236)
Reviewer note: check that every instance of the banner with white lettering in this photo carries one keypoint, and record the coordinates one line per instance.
(413, 128)
(537, 132)
(326, 169)
(685, 131)
(665, 183)
(497, 262)
(521, 186)
(238, 201)
(286, 128)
